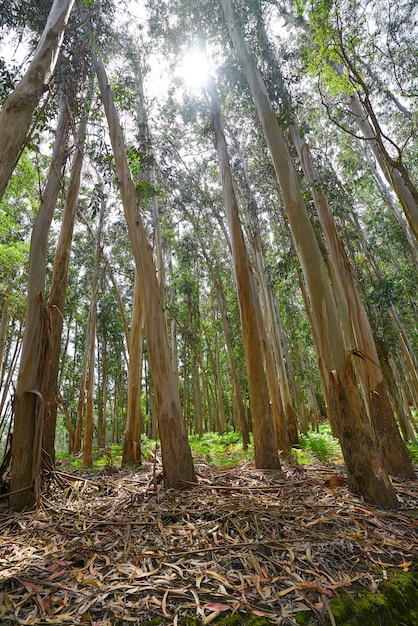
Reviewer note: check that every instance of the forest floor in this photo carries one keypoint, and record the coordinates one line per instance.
(116, 547)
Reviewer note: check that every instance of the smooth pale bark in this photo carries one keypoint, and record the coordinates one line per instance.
(29, 398)
(404, 342)
(389, 197)
(58, 290)
(3, 328)
(17, 110)
(176, 453)
(242, 416)
(221, 421)
(395, 173)
(356, 327)
(367, 474)
(352, 313)
(11, 366)
(264, 429)
(149, 174)
(78, 431)
(132, 434)
(70, 427)
(113, 280)
(91, 346)
(102, 404)
(286, 424)
(284, 413)
(366, 120)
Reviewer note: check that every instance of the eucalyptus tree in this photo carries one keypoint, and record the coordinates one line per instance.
(346, 42)
(264, 427)
(366, 472)
(17, 111)
(58, 288)
(29, 402)
(353, 315)
(177, 459)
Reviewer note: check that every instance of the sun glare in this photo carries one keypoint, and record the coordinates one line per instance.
(194, 70)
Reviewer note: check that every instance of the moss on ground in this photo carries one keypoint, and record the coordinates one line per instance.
(395, 604)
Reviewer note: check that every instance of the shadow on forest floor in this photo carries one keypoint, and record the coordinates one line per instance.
(116, 547)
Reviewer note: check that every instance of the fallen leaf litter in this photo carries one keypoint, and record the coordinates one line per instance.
(120, 548)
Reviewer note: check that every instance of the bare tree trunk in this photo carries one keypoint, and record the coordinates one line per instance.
(264, 429)
(395, 172)
(91, 343)
(17, 110)
(58, 292)
(357, 329)
(29, 401)
(132, 435)
(176, 454)
(367, 474)
(3, 328)
(235, 379)
(219, 390)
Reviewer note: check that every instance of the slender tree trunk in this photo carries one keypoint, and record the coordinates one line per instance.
(11, 367)
(58, 292)
(395, 172)
(242, 416)
(102, 415)
(3, 328)
(91, 344)
(264, 429)
(222, 428)
(176, 454)
(17, 110)
(29, 400)
(132, 435)
(367, 474)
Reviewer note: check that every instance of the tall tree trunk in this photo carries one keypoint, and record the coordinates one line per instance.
(133, 429)
(176, 454)
(3, 328)
(264, 429)
(367, 474)
(29, 400)
(58, 292)
(242, 416)
(286, 421)
(353, 316)
(91, 344)
(357, 328)
(17, 110)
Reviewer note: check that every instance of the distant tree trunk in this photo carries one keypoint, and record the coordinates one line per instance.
(367, 474)
(102, 414)
(58, 292)
(3, 328)
(285, 417)
(264, 429)
(132, 435)
(11, 367)
(219, 390)
(17, 110)
(91, 344)
(176, 453)
(242, 416)
(394, 171)
(29, 403)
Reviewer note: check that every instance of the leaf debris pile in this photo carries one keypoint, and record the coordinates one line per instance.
(120, 548)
